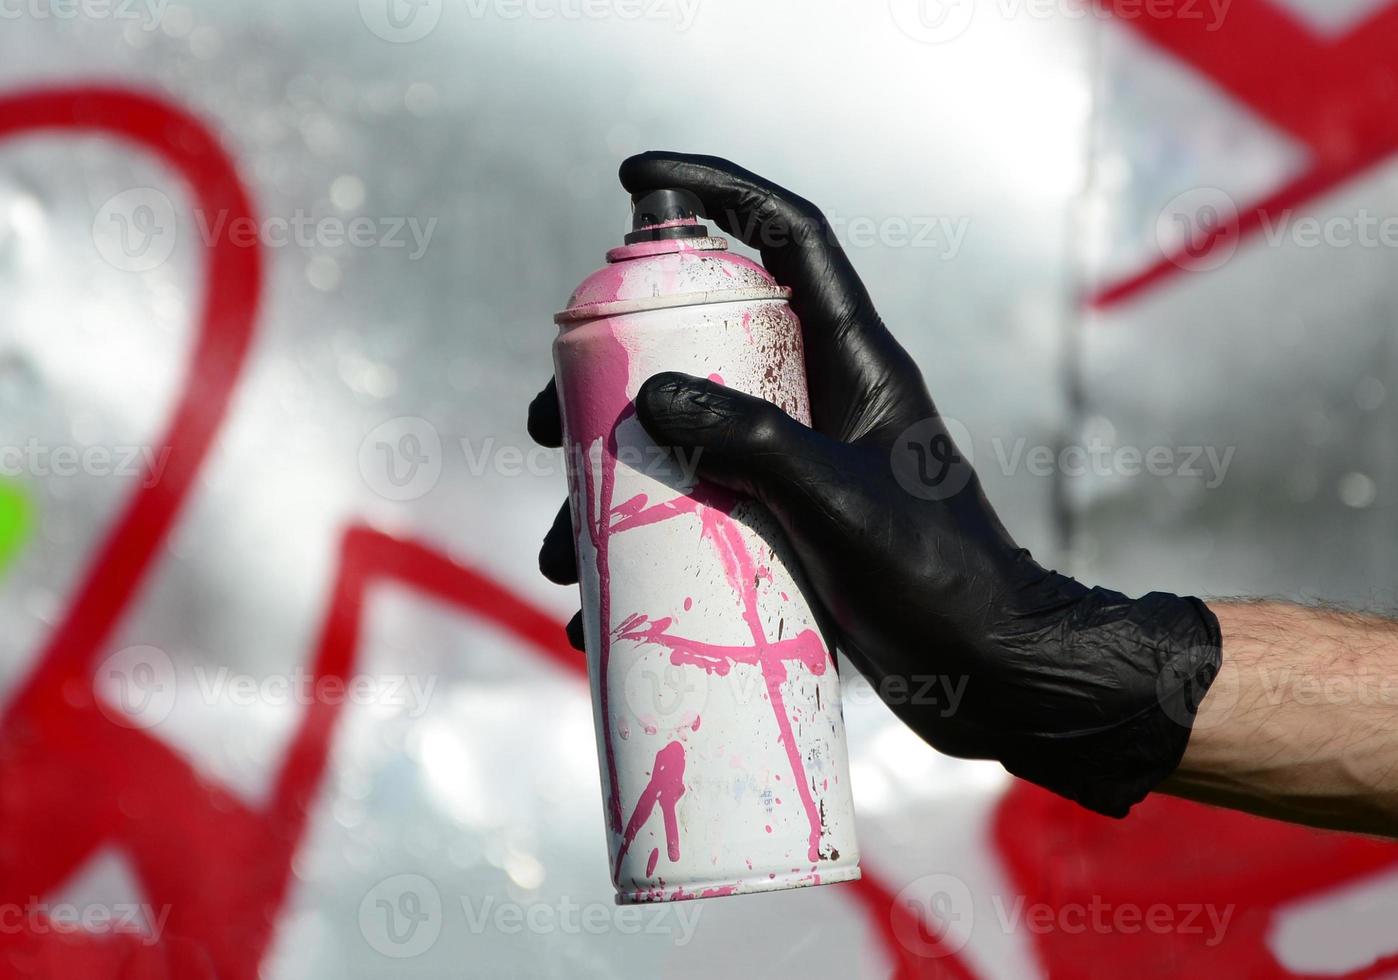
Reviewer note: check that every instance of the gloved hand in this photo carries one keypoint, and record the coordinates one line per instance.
(1083, 691)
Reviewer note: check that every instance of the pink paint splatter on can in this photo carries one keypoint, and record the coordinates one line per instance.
(651, 536)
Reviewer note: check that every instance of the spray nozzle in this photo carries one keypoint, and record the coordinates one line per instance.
(663, 214)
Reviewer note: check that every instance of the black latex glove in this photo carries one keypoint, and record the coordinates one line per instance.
(1083, 691)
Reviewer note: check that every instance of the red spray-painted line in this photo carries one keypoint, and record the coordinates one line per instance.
(1261, 54)
(142, 797)
(1268, 213)
(1335, 97)
(889, 917)
(367, 557)
(1179, 856)
(55, 746)
(233, 284)
(54, 742)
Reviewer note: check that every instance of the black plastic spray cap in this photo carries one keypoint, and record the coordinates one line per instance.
(666, 213)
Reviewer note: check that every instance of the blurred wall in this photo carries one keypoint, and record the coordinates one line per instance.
(1011, 179)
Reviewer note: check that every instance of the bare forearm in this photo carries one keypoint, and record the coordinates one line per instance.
(1302, 721)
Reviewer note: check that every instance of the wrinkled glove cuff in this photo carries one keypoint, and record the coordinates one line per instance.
(1177, 642)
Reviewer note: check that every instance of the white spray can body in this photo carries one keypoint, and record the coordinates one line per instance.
(715, 694)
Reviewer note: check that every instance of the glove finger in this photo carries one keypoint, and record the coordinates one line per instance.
(574, 629)
(859, 373)
(791, 232)
(558, 558)
(545, 418)
(742, 443)
(821, 492)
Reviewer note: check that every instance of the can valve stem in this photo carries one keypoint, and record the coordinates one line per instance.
(665, 214)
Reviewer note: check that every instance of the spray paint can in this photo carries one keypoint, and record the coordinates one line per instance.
(715, 694)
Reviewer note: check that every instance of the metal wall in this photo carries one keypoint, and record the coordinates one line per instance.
(354, 497)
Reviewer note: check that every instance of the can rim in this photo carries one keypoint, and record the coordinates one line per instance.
(749, 885)
(597, 311)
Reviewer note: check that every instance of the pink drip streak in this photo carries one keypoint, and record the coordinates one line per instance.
(712, 507)
(665, 788)
(595, 415)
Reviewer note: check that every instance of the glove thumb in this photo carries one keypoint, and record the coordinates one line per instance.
(737, 441)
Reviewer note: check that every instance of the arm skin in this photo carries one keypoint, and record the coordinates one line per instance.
(1302, 721)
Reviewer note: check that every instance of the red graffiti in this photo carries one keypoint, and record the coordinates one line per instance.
(1180, 856)
(72, 782)
(1337, 97)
